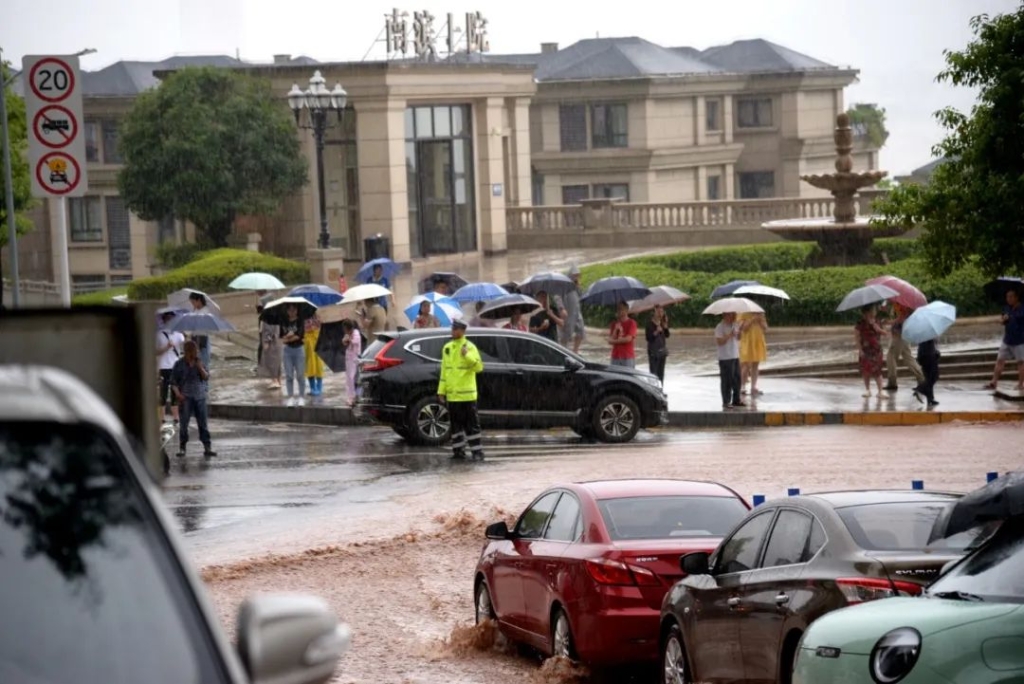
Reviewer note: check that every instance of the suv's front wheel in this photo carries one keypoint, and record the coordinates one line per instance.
(616, 418)
(428, 422)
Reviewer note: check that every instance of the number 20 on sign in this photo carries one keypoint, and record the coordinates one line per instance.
(53, 103)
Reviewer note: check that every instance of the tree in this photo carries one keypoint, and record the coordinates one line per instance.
(973, 204)
(17, 128)
(868, 121)
(206, 146)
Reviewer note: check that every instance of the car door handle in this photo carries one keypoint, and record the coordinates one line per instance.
(782, 599)
(518, 371)
(733, 602)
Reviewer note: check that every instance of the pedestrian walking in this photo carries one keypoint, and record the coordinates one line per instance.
(868, 334)
(622, 337)
(169, 346)
(545, 322)
(573, 329)
(656, 331)
(353, 342)
(727, 337)
(314, 365)
(270, 356)
(293, 330)
(378, 278)
(188, 378)
(1012, 346)
(928, 356)
(753, 350)
(460, 364)
(899, 349)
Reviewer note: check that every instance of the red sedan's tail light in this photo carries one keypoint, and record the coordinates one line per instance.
(861, 589)
(606, 571)
(382, 360)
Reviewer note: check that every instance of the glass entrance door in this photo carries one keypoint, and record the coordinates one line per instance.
(436, 197)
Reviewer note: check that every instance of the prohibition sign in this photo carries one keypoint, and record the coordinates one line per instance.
(57, 77)
(55, 126)
(58, 173)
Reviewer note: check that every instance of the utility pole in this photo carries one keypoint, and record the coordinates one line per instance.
(12, 236)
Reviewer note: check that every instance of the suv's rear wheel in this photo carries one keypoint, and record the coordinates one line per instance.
(428, 422)
(616, 418)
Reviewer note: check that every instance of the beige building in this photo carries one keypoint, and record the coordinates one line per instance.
(431, 154)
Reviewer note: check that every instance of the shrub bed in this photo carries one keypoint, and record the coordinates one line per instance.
(100, 298)
(815, 292)
(212, 271)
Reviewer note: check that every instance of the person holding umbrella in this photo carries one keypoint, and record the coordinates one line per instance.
(378, 278)
(188, 378)
(425, 319)
(293, 332)
(545, 322)
(353, 342)
(1012, 346)
(727, 336)
(460, 364)
(899, 349)
(169, 345)
(198, 302)
(657, 334)
(868, 334)
(622, 337)
(314, 365)
(573, 329)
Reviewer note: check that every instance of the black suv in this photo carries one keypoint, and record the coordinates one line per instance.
(527, 382)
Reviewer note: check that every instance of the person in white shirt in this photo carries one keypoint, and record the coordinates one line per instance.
(727, 336)
(168, 350)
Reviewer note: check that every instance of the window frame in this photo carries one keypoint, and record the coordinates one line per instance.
(755, 102)
(604, 187)
(574, 186)
(97, 140)
(570, 139)
(541, 342)
(557, 493)
(739, 183)
(815, 524)
(713, 124)
(607, 137)
(718, 187)
(84, 202)
(576, 532)
(716, 563)
(112, 127)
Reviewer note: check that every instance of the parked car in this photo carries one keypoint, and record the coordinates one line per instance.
(527, 382)
(583, 572)
(96, 587)
(967, 629)
(741, 611)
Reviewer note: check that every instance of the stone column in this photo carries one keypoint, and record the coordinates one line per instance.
(326, 266)
(520, 149)
(699, 114)
(727, 122)
(490, 176)
(730, 182)
(702, 183)
(380, 148)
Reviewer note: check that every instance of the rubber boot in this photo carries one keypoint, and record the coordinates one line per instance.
(319, 386)
(312, 386)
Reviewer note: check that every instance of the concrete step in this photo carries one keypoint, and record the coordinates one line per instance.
(979, 357)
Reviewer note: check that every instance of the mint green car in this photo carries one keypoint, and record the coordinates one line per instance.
(967, 628)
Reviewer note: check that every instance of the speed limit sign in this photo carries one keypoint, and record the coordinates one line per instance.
(56, 146)
(51, 79)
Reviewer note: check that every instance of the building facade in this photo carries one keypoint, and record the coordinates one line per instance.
(431, 154)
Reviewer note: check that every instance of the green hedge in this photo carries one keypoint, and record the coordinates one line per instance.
(100, 298)
(213, 270)
(815, 292)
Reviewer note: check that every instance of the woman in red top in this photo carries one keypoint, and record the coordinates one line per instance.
(622, 336)
(516, 323)
(869, 345)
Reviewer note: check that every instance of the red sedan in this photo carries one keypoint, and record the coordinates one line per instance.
(583, 572)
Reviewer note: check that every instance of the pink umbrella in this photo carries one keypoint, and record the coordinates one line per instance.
(909, 296)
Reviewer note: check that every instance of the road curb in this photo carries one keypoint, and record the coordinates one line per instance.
(333, 415)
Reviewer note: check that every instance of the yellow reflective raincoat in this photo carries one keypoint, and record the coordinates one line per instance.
(458, 372)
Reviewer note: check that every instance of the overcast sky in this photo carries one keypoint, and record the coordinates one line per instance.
(896, 44)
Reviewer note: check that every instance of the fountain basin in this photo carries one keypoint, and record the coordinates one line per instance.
(842, 243)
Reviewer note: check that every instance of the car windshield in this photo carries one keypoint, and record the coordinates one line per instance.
(666, 517)
(89, 593)
(994, 572)
(901, 526)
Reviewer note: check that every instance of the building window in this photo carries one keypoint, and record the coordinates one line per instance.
(572, 126)
(713, 115)
(85, 219)
(617, 191)
(757, 184)
(714, 187)
(575, 194)
(754, 112)
(111, 155)
(92, 141)
(610, 124)
(88, 283)
(119, 236)
(537, 182)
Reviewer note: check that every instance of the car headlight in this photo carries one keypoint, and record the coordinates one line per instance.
(651, 380)
(895, 655)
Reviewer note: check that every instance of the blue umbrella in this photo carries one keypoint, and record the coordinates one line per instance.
(317, 295)
(388, 267)
(444, 308)
(614, 289)
(929, 322)
(201, 323)
(729, 288)
(479, 292)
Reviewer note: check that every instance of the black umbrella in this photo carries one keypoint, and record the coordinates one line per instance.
(276, 312)
(614, 289)
(998, 500)
(453, 280)
(504, 307)
(996, 290)
(330, 348)
(730, 287)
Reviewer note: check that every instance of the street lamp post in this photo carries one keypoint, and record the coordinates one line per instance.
(318, 102)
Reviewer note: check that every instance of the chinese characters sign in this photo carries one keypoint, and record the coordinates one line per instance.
(470, 38)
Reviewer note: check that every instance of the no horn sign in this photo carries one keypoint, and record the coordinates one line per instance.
(56, 146)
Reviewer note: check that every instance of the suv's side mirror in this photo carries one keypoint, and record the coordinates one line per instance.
(290, 639)
(498, 530)
(695, 563)
(572, 365)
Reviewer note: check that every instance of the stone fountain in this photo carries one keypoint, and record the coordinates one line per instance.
(845, 238)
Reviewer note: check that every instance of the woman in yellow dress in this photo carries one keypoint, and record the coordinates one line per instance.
(753, 349)
(314, 364)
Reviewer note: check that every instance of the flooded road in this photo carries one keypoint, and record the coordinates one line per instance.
(390, 535)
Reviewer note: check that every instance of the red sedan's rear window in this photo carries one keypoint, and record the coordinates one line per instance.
(667, 517)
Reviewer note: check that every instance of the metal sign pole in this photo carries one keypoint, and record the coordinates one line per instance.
(62, 252)
(12, 232)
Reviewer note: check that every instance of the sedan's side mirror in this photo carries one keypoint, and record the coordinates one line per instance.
(695, 563)
(572, 365)
(290, 639)
(498, 530)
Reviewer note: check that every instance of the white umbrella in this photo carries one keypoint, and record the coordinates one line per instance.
(863, 296)
(361, 293)
(762, 290)
(661, 295)
(256, 281)
(733, 305)
(180, 300)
